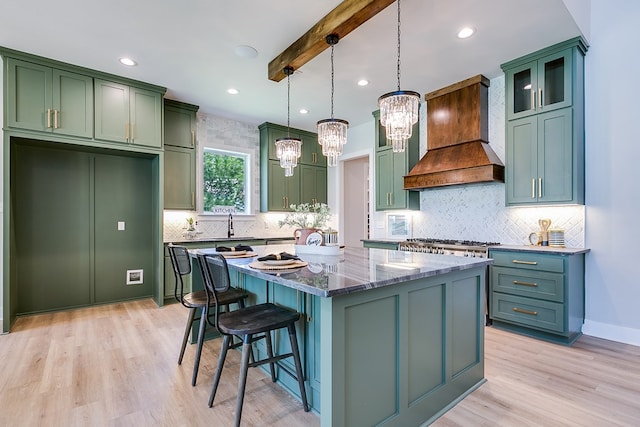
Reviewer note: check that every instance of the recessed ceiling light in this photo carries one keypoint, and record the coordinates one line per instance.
(244, 51)
(128, 62)
(304, 111)
(466, 32)
(363, 82)
(232, 91)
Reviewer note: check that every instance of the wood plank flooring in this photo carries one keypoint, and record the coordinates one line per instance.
(116, 365)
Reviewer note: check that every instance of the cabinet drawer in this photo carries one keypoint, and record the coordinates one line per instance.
(528, 311)
(542, 285)
(528, 261)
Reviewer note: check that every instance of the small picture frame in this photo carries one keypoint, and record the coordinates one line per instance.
(135, 277)
(398, 226)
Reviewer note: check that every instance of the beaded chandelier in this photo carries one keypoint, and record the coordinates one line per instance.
(332, 133)
(399, 109)
(288, 149)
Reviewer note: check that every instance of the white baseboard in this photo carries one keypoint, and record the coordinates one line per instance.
(611, 332)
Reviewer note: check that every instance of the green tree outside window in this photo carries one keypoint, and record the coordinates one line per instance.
(224, 174)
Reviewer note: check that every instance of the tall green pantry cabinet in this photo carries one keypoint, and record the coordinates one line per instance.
(83, 212)
(545, 126)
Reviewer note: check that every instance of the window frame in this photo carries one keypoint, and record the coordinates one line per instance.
(247, 155)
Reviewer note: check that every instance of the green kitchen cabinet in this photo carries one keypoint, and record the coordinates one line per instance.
(543, 159)
(539, 85)
(391, 168)
(179, 178)
(127, 114)
(309, 181)
(282, 191)
(179, 124)
(313, 184)
(46, 99)
(392, 246)
(540, 294)
(179, 155)
(545, 126)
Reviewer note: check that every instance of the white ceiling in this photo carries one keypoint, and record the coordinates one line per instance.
(188, 47)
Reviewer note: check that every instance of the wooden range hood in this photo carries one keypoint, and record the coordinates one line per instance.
(458, 149)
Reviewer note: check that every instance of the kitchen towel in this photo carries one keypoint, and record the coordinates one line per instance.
(234, 248)
(277, 257)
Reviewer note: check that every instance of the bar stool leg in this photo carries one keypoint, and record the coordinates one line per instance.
(267, 336)
(223, 355)
(203, 326)
(187, 331)
(296, 358)
(242, 380)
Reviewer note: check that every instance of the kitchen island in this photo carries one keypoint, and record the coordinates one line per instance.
(387, 337)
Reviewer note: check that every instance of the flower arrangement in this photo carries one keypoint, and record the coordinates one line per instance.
(307, 215)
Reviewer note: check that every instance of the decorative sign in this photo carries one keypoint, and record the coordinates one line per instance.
(224, 210)
(314, 239)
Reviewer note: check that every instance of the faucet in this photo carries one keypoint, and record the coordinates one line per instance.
(230, 226)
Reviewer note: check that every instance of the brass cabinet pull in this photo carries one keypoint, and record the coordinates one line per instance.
(519, 310)
(516, 261)
(539, 187)
(313, 157)
(540, 98)
(533, 100)
(55, 119)
(533, 188)
(48, 117)
(193, 139)
(283, 203)
(126, 131)
(517, 282)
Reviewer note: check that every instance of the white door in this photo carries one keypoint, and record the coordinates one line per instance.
(356, 201)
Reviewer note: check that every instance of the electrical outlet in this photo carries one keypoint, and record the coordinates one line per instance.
(120, 225)
(135, 277)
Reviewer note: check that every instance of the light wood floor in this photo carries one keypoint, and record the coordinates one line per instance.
(116, 365)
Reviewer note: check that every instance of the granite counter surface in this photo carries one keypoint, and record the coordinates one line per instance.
(354, 269)
(227, 239)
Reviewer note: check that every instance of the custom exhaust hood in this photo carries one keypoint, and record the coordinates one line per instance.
(458, 150)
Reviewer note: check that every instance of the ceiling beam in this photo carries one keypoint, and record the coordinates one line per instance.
(346, 17)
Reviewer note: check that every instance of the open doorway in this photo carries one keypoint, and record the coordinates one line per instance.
(355, 201)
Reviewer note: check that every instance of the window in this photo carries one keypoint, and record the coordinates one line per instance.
(225, 182)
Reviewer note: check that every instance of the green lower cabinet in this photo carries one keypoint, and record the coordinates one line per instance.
(541, 295)
(393, 246)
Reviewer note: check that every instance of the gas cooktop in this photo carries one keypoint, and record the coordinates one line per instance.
(452, 242)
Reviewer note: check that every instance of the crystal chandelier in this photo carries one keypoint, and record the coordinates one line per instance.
(332, 133)
(399, 110)
(288, 149)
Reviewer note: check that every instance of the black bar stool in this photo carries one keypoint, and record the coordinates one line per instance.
(248, 323)
(196, 301)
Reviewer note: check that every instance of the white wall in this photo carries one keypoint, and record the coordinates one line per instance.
(613, 150)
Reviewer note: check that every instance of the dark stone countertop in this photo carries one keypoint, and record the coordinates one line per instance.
(354, 269)
(226, 239)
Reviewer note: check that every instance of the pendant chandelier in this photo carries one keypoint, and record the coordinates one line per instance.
(399, 110)
(288, 149)
(332, 133)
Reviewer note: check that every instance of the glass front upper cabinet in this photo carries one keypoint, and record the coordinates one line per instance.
(539, 86)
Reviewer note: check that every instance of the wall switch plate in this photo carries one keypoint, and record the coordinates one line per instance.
(120, 225)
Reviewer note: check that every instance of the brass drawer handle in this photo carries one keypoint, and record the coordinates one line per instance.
(519, 310)
(48, 117)
(517, 282)
(516, 261)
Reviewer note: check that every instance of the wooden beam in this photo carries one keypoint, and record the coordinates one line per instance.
(346, 17)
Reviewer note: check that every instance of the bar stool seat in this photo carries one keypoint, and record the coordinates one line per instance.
(250, 324)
